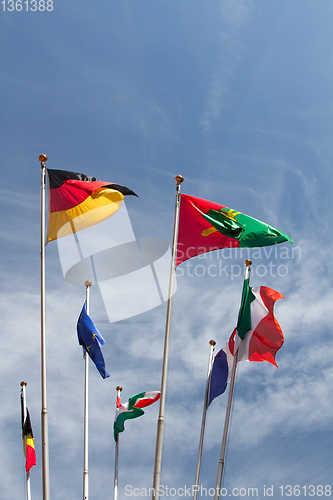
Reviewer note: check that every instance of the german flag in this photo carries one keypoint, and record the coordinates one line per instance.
(28, 442)
(77, 201)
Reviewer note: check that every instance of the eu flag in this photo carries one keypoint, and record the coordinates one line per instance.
(91, 341)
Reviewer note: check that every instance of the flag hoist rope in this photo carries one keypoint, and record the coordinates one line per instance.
(115, 484)
(220, 468)
(160, 425)
(24, 416)
(212, 344)
(87, 284)
(45, 439)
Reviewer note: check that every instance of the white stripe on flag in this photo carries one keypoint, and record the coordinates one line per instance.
(258, 313)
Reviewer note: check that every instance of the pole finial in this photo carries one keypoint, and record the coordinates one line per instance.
(23, 384)
(179, 179)
(119, 388)
(212, 342)
(87, 283)
(248, 265)
(42, 158)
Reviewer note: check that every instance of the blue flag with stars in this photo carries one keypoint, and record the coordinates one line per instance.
(91, 341)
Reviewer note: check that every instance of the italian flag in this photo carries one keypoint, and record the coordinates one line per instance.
(132, 409)
(257, 337)
(205, 226)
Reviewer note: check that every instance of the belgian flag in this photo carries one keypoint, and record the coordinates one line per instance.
(77, 201)
(28, 441)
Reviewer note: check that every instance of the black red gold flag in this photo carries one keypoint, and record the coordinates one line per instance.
(77, 201)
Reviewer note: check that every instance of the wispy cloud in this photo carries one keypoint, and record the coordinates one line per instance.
(234, 16)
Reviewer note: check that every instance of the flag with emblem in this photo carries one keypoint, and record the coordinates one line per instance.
(205, 226)
(91, 340)
(77, 201)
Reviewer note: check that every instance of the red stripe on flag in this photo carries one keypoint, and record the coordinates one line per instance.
(231, 342)
(71, 193)
(267, 338)
(30, 457)
(146, 402)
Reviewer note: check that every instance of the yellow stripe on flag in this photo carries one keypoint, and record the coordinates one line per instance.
(96, 208)
(30, 441)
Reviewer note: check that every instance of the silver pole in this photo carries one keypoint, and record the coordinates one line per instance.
(24, 416)
(212, 344)
(159, 438)
(115, 487)
(45, 440)
(225, 431)
(87, 284)
(220, 468)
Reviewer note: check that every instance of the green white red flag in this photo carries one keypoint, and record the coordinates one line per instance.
(257, 337)
(132, 409)
(205, 226)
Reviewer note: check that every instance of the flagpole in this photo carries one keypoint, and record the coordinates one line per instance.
(160, 425)
(212, 344)
(115, 487)
(45, 440)
(87, 284)
(218, 485)
(24, 416)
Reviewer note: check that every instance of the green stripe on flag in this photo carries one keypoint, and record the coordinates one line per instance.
(133, 399)
(248, 231)
(119, 426)
(244, 315)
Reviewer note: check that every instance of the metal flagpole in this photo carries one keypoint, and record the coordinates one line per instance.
(115, 487)
(212, 344)
(248, 264)
(87, 284)
(159, 438)
(45, 440)
(24, 416)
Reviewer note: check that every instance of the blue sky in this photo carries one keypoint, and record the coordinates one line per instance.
(235, 95)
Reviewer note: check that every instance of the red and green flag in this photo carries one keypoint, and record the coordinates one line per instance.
(77, 201)
(132, 409)
(205, 226)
